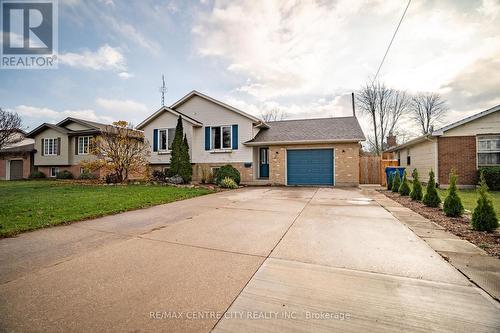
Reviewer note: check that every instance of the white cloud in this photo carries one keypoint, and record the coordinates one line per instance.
(314, 48)
(125, 75)
(105, 58)
(34, 115)
(121, 106)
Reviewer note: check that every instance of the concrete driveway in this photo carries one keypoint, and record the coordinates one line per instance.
(254, 259)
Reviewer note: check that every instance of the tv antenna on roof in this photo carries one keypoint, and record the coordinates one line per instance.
(163, 90)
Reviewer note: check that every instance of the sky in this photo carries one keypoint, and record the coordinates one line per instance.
(303, 57)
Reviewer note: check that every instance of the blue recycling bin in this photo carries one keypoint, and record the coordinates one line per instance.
(389, 170)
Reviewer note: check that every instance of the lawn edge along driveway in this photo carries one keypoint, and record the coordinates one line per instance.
(31, 205)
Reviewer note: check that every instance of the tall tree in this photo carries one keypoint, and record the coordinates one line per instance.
(185, 168)
(119, 149)
(10, 125)
(385, 106)
(176, 154)
(428, 109)
(275, 114)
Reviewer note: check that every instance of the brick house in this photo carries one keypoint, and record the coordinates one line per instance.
(465, 146)
(290, 152)
(16, 160)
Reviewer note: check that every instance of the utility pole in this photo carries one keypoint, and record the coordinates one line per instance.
(163, 90)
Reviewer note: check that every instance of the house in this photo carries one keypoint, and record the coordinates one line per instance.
(65, 145)
(291, 152)
(465, 146)
(16, 160)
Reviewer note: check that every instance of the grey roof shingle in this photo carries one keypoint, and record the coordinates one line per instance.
(317, 130)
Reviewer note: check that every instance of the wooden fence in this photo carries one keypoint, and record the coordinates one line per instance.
(372, 169)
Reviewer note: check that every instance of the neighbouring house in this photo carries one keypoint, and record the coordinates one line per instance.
(16, 160)
(290, 152)
(65, 145)
(465, 146)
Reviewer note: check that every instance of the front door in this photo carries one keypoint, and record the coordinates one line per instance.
(264, 163)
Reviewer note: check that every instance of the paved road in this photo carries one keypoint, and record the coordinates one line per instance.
(254, 259)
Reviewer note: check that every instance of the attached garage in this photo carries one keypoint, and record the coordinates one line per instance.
(16, 169)
(310, 167)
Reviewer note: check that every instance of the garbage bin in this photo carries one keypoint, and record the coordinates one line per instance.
(391, 169)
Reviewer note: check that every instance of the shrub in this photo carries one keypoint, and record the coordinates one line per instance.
(37, 175)
(390, 180)
(491, 176)
(65, 174)
(431, 197)
(452, 204)
(227, 171)
(416, 192)
(87, 175)
(185, 168)
(112, 178)
(158, 175)
(404, 188)
(228, 183)
(484, 217)
(396, 182)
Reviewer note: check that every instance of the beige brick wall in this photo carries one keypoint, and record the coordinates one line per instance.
(346, 167)
(245, 173)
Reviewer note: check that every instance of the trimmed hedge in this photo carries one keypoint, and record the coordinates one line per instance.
(37, 175)
(484, 217)
(227, 171)
(396, 182)
(452, 204)
(416, 192)
(65, 174)
(404, 188)
(431, 197)
(491, 176)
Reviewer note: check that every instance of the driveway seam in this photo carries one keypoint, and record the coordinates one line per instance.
(265, 258)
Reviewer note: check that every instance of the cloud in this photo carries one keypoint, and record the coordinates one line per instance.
(121, 106)
(125, 75)
(286, 49)
(33, 115)
(105, 58)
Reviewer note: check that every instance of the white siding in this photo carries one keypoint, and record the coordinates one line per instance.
(165, 120)
(489, 124)
(211, 114)
(423, 158)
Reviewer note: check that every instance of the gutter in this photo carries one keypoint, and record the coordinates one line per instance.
(299, 142)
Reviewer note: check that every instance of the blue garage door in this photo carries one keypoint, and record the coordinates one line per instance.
(310, 167)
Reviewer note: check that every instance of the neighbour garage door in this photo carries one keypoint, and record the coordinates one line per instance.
(310, 167)
(16, 170)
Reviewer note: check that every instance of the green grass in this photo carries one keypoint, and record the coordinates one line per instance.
(469, 198)
(29, 205)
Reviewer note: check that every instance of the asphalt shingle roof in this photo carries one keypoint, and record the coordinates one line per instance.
(321, 129)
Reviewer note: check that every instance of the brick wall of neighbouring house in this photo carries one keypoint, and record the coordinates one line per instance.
(346, 163)
(459, 153)
(74, 169)
(27, 165)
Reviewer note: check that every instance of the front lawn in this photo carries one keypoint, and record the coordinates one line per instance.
(469, 198)
(29, 205)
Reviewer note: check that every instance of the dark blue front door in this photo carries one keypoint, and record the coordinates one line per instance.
(310, 167)
(264, 162)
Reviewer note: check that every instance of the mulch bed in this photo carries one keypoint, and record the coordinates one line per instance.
(459, 226)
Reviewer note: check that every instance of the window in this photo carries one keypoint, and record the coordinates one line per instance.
(165, 138)
(488, 150)
(54, 172)
(399, 158)
(83, 145)
(82, 170)
(50, 146)
(408, 157)
(221, 137)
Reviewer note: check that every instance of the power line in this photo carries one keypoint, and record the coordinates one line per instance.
(392, 39)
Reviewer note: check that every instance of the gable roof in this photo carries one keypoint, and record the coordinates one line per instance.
(441, 131)
(466, 120)
(88, 123)
(44, 126)
(167, 109)
(319, 130)
(93, 127)
(213, 100)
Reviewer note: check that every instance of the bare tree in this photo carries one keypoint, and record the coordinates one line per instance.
(275, 114)
(385, 106)
(119, 149)
(10, 125)
(428, 109)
